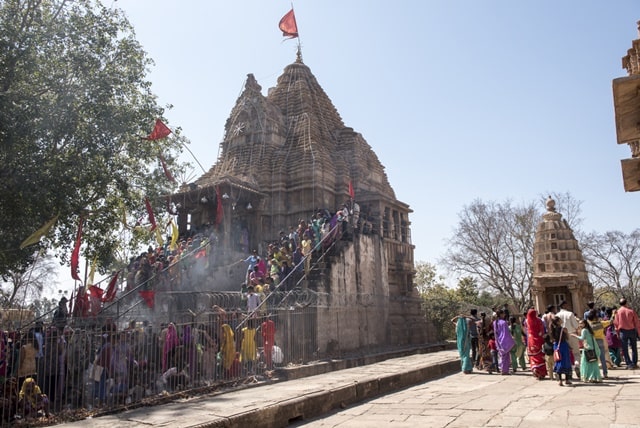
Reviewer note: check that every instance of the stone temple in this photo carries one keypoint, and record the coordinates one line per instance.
(559, 272)
(284, 156)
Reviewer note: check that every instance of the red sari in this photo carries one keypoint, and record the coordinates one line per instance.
(535, 340)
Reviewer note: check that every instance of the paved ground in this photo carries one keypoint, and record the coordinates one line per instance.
(424, 390)
(483, 400)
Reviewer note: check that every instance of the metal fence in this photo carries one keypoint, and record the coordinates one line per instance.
(191, 341)
(89, 370)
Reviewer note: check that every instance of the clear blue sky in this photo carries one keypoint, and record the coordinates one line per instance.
(460, 99)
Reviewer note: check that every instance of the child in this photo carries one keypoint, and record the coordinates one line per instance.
(494, 353)
(547, 348)
(615, 344)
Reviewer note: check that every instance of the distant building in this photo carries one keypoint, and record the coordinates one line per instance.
(559, 272)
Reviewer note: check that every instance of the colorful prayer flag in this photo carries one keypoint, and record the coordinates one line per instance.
(167, 173)
(288, 25)
(96, 292)
(159, 239)
(34, 238)
(160, 131)
(152, 218)
(110, 294)
(148, 296)
(174, 236)
(92, 270)
(75, 255)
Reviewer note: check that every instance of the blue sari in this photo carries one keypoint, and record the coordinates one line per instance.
(464, 344)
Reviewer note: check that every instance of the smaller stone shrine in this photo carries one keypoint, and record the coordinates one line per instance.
(559, 272)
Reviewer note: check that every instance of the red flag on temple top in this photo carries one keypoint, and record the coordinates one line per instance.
(75, 255)
(288, 25)
(352, 194)
(160, 131)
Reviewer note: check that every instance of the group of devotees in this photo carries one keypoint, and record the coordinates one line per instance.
(554, 345)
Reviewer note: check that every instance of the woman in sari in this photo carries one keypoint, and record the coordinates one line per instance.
(484, 328)
(464, 341)
(228, 348)
(504, 341)
(560, 337)
(517, 352)
(535, 342)
(589, 370)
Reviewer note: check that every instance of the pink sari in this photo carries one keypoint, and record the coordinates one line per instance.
(535, 340)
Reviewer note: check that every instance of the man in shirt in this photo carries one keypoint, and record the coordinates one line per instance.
(253, 300)
(570, 322)
(628, 326)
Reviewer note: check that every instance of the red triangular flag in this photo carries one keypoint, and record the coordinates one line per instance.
(152, 218)
(110, 294)
(148, 297)
(288, 25)
(352, 194)
(160, 131)
(75, 255)
(219, 207)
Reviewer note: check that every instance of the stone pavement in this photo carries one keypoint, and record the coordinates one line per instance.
(483, 400)
(423, 390)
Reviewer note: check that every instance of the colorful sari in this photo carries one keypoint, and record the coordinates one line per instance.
(485, 327)
(589, 370)
(228, 348)
(464, 344)
(535, 341)
(504, 342)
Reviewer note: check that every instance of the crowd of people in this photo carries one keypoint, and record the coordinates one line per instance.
(556, 344)
(47, 369)
(80, 359)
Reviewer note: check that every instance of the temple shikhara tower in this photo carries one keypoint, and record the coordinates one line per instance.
(285, 156)
(627, 112)
(559, 271)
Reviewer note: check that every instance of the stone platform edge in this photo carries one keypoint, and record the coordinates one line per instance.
(333, 365)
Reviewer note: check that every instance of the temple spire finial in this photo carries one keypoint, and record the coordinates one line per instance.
(299, 55)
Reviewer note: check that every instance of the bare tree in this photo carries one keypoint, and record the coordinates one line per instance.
(493, 242)
(613, 262)
(18, 289)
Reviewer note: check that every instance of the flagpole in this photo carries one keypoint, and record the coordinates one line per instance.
(299, 53)
(194, 157)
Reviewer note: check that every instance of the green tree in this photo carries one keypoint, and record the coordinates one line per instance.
(74, 102)
(468, 291)
(440, 303)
